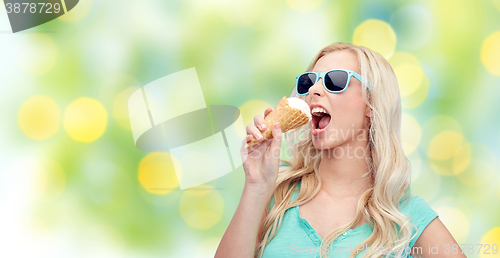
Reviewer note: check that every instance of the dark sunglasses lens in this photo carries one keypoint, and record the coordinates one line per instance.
(336, 80)
(305, 82)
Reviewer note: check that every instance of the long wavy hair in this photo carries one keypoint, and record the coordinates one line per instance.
(388, 166)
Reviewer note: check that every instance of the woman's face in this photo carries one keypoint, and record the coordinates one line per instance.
(347, 122)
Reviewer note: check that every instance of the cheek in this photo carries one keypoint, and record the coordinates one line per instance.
(308, 99)
(348, 111)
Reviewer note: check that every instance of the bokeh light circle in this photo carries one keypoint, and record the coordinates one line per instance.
(462, 159)
(449, 153)
(491, 238)
(438, 123)
(412, 81)
(39, 117)
(444, 145)
(35, 53)
(156, 173)
(410, 133)
(417, 97)
(410, 77)
(490, 53)
(85, 119)
(376, 35)
(201, 208)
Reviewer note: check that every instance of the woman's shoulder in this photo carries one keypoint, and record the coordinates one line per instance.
(420, 212)
(413, 204)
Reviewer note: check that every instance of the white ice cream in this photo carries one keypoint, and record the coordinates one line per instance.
(300, 105)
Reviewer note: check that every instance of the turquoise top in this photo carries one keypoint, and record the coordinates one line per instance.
(297, 238)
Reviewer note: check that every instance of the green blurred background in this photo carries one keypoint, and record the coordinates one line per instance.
(72, 183)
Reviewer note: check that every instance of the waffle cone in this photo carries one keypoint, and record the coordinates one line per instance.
(288, 117)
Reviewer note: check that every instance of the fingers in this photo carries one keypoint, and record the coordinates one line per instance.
(276, 141)
(259, 121)
(267, 111)
(253, 131)
(260, 146)
(247, 139)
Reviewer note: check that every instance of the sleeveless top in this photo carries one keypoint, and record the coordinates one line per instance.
(297, 238)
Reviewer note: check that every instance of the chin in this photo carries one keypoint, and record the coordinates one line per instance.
(322, 143)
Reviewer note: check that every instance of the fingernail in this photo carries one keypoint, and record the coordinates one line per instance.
(259, 137)
(278, 126)
(263, 126)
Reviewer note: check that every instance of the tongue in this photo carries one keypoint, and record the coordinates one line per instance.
(324, 121)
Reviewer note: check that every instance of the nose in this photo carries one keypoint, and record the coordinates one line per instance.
(317, 89)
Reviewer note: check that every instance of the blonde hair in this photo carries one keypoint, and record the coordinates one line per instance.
(388, 166)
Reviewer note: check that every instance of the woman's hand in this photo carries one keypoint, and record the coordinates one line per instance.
(261, 160)
(261, 164)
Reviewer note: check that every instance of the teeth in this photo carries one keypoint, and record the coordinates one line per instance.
(317, 111)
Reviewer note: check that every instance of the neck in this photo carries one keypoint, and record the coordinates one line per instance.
(342, 169)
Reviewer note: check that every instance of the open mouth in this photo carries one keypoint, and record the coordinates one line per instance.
(320, 120)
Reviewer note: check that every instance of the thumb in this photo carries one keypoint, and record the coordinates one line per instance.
(276, 143)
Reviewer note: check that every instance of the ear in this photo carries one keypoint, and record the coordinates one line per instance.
(368, 111)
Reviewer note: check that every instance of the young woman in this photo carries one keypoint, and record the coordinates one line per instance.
(345, 190)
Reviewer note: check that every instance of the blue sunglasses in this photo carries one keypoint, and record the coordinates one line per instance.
(334, 81)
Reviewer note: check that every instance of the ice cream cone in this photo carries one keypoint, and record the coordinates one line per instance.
(288, 117)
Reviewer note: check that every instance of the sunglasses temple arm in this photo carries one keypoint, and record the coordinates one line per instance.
(357, 76)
